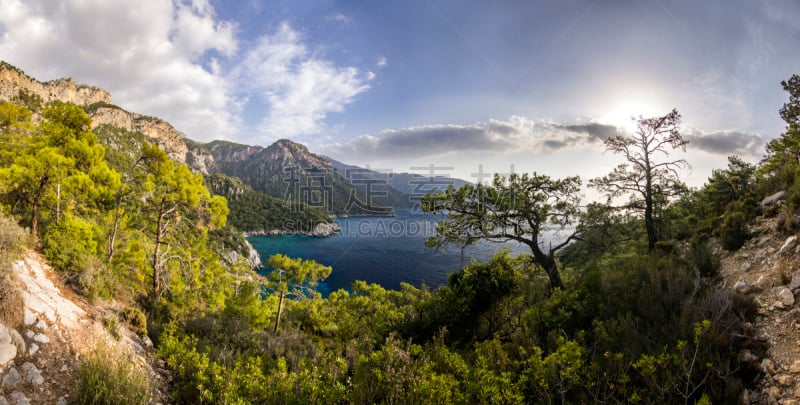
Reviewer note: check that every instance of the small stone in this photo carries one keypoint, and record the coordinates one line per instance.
(30, 317)
(19, 398)
(18, 341)
(64, 368)
(32, 374)
(5, 337)
(768, 366)
(33, 349)
(7, 353)
(742, 286)
(747, 356)
(785, 380)
(29, 334)
(790, 401)
(774, 393)
(788, 245)
(62, 401)
(147, 342)
(795, 283)
(41, 325)
(785, 296)
(41, 338)
(11, 379)
(795, 367)
(3, 400)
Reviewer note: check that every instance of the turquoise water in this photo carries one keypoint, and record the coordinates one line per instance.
(386, 251)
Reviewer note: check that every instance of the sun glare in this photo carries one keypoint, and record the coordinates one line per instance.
(624, 115)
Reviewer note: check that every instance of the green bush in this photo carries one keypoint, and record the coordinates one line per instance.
(733, 232)
(69, 244)
(107, 376)
(136, 319)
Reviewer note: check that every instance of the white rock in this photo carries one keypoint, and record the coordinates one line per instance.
(33, 349)
(32, 374)
(785, 296)
(8, 352)
(41, 338)
(788, 244)
(41, 325)
(17, 340)
(768, 366)
(29, 334)
(62, 401)
(30, 317)
(4, 401)
(5, 337)
(746, 266)
(795, 283)
(742, 286)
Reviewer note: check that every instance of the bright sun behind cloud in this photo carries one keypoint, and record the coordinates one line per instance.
(625, 114)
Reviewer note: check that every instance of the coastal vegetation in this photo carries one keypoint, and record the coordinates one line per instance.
(623, 311)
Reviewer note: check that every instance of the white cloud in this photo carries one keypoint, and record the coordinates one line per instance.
(300, 88)
(382, 61)
(148, 54)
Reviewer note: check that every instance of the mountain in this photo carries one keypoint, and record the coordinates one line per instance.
(283, 170)
(289, 171)
(410, 186)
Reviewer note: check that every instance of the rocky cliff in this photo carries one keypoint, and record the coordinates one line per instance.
(12, 80)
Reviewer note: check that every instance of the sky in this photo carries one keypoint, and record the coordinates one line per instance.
(460, 87)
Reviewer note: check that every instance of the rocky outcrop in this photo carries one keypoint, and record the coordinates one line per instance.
(322, 229)
(38, 357)
(156, 130)
(12, 80)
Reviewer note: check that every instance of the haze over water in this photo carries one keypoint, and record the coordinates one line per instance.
(386, 251)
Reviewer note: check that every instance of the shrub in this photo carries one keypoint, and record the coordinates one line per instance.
(112, 324)
(13, 241)
(69, 244)
(733, 232)
(107, 376)
(702, 258)
(136, 319)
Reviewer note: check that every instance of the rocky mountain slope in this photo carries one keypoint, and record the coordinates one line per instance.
(272, 170)
(39, 356)
(767, 268)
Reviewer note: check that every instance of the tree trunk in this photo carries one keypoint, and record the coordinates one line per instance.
(157, 254)
(37, 202)
(549, 265)
(113, 236)
(649, 223)
(280, 310)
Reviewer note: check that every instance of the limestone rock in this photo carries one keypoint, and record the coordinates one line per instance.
(772, 199)
(19, 398)
(3, 400)
(11, 379)
(795, 283)
(32, 374)
(785, 380)
(746, 266)
(768, 366)
(17, 340)
(785, 296)
(8, 352)
(742, 286)
(774, 393)
(41, 325)
(795, 367)
(30, 317)
(788, 245)
(62, 401)
(5, 337)
(33, 349)
(41, 338)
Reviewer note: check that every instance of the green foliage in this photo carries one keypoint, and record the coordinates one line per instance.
(70, 244)
(254, 211)
(108, 376)
(111, 322)
(29, 100)
(135, 319)
(519, 208)
(733, 232)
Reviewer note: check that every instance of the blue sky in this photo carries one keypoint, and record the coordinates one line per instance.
(458, 84)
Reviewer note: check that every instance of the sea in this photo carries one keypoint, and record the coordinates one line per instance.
(383, 250)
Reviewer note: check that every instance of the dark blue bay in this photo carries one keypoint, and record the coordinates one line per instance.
(386, 251)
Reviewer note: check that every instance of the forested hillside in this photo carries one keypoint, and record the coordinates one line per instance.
(624, 309)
